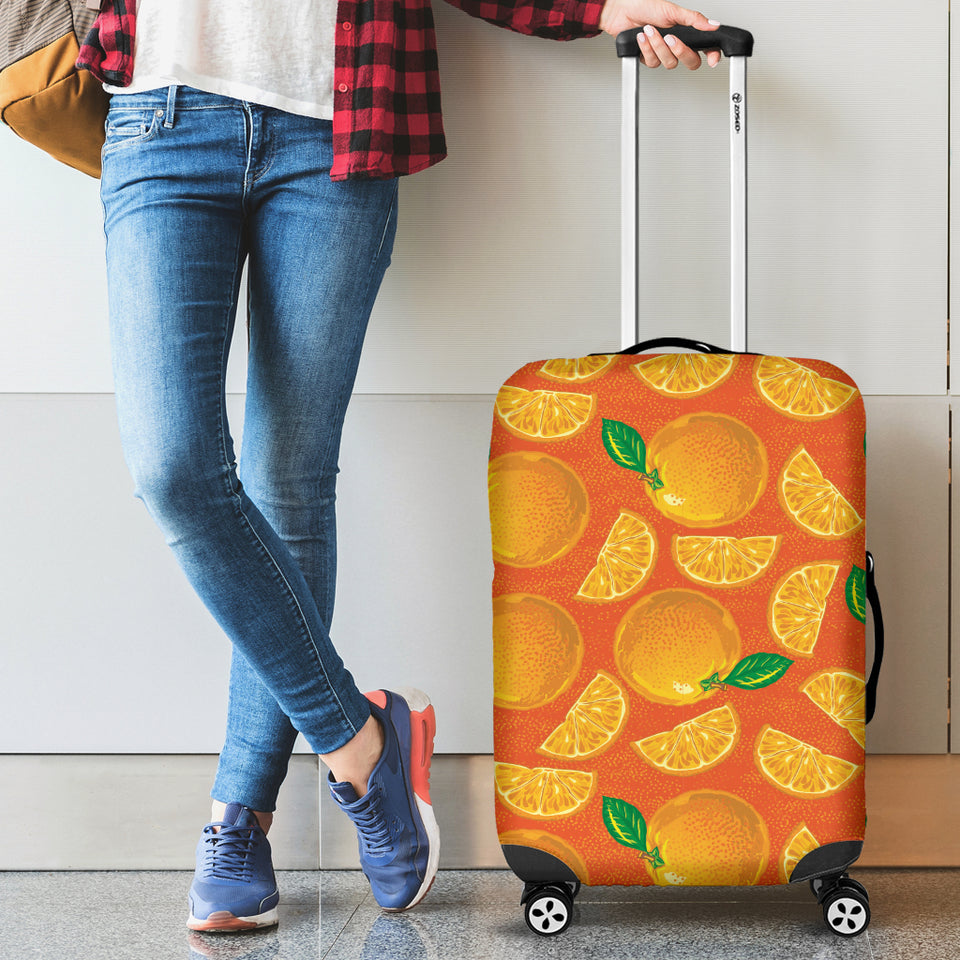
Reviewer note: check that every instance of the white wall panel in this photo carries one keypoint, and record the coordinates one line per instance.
(848, 192)
(508, 251)
(52, 286)
(104, 647)
(510, 247)
(415, 569)
(53, 289)
(908, 532)
(953, 212)
(135, 813)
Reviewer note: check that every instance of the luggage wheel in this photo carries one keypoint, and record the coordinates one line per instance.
(845, 902)
(548, 907)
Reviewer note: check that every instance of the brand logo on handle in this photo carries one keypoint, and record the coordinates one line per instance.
(737, 100)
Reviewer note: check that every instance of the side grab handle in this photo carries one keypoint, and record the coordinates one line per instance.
(874, 599)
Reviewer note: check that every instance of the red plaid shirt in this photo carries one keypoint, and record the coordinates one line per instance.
(386, 85)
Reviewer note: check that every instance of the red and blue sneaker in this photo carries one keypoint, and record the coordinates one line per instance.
(234, 887)
(398, 836)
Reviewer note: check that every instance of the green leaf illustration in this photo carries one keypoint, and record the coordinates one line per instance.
(857, 593)
(626, 448)
(753, 672)
(625, 823)
(625, 445)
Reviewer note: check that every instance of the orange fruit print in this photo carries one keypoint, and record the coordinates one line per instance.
(678, 599)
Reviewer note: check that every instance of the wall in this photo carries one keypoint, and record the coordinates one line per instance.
(507, 251)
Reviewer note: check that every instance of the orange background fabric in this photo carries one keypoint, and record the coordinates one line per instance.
(836, 442)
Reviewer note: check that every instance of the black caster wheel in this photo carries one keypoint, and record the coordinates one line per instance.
(548, 911)
(852, 884)
(821, 886)
(846, 910)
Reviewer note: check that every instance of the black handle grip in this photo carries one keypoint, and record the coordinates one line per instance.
(874, 599)
(732, 41)
(682, 342)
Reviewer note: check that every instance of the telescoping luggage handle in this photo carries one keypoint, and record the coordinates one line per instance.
(736, 45)
(871, 587)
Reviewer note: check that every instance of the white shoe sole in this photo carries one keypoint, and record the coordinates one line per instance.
(419, 703)
(225, 921)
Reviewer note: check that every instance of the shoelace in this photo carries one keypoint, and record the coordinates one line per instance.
(372, 825)
(228, 852)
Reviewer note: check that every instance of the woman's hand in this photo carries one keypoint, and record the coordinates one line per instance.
(655, 50)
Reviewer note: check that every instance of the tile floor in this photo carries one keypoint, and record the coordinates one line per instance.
(470, 915)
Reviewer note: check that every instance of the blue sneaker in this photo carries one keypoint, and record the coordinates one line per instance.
(399, 839)
(234, 887)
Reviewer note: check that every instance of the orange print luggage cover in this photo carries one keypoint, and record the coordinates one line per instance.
(678, 614)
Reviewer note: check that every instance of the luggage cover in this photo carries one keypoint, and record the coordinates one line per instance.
(678, 615)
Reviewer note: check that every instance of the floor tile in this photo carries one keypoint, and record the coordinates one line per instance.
(92, 916)
(602, 928)
(471, 915)
(915, 913)
(339, 897)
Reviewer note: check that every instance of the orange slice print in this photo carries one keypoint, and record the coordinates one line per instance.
(842, 696)
(543, 414)
(693, 746)
(798, 604)
(592, 724)
(678, 568)
(801, 842)
(578, 370)
(624, 563)
(685, 374)
(799, 768)
(813, 502)
(543, 792)
(798, 391)
(724, 561)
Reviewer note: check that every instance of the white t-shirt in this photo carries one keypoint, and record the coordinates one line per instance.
(277, 54)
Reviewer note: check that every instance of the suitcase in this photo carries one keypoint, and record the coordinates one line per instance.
(680, 597)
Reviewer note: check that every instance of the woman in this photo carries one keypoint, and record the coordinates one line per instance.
(274, 136)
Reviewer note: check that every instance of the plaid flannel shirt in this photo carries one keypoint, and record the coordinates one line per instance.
(386, 86)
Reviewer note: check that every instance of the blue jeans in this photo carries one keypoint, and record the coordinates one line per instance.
(193, 185)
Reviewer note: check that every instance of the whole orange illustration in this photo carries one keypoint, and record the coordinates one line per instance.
(713, 469)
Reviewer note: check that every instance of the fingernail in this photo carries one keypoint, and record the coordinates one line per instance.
(714, 23)
(670, 39)
(648, 30)
(642, 38)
